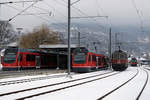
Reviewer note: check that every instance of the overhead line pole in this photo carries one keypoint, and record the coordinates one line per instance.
(69, 50)
(110, 45)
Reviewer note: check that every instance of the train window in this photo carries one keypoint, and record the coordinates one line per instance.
(89, 58)
(30, 57)
(115, 56)
(10, 55)
(80, 58)
(133, 60)
(122, 56)
(33, 57)
(94, 58)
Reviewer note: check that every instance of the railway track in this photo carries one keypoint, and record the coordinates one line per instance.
(30, 79)
(125, 83)
(146, 81)
(77, 81)
(8, 74)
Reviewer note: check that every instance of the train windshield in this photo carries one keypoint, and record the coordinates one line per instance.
(80, 58)
(134, 60)
(119, 56)
(10, 55)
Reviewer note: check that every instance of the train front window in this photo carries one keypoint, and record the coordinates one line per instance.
(119, 56)
(10, 55)
(134, 60)
(80, 58)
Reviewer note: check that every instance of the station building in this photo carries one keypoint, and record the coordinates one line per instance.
(61, 53)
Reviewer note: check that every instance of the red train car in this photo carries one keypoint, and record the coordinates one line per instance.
(119, 60)
(133, 62)
(17, 58)
(85, 61)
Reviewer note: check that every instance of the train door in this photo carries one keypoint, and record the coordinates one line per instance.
(97, 61)
(20, 60)
(38, 61)
(89, 60)
(103, 62)
(94, 61)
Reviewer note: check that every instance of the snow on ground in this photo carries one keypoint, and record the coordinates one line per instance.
(10, 88)
(88, 91)
(131, 90)
(28, 77)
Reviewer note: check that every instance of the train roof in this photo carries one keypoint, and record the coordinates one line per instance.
(119, 51)
(84, 49)
(25, 50)
(57, 46)
(41, 51)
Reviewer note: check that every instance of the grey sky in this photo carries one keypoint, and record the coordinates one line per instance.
(120, 12)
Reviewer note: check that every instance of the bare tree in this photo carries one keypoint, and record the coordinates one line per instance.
(40, 35)
(7, 34)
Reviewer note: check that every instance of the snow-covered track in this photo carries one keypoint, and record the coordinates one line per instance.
(80, 83)
(147, 77)
(30, 80)
(16, 73)
(72, 82)
(110, 92)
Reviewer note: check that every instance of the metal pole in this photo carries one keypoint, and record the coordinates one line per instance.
(19, 33)
(79, 39)
(69, 50)
(57, 59)
(110, 45)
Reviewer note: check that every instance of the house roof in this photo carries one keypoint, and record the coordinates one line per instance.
(58, 46)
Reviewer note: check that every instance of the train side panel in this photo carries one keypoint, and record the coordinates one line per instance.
(87, 61)
(119, 60)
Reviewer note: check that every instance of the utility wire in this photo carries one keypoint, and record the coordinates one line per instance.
(97, 9)
(37, 14)
(48, 5)
(104, 13)
(82, 13)
(44, 19)
(11, 2)
(27, 13)
(22, 11)
(139, 15)
(61, 26)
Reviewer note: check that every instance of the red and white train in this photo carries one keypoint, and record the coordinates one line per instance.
(85, 61)
(119, 60)
(17, 58)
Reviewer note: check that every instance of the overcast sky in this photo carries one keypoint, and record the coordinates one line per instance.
(119, 12)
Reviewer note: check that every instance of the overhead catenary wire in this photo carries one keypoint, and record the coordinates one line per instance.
(62, 25)
(97, 9)
(81, 13)
(139, 15)
(108, 19)
(27, 13)
(48, 5)
(11, 2)
(22, 11)
(38, 14)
